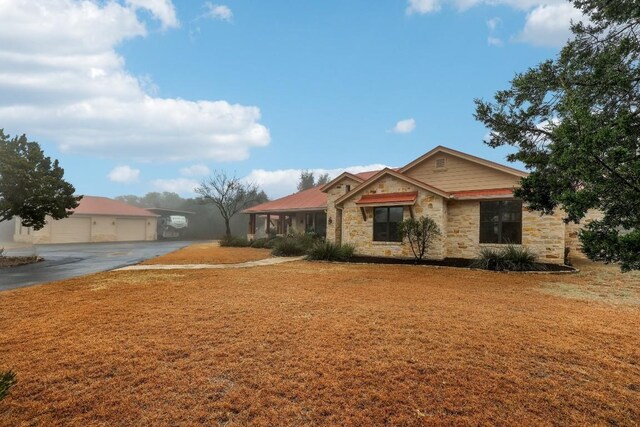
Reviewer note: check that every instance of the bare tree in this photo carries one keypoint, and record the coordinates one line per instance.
(229, 195)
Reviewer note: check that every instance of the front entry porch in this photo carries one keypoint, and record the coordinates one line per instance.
(282, 223)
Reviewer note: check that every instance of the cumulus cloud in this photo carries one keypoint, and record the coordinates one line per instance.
(61, 78)
(124, 174)
(195, 170)
(404, 126)
(549, 25)
(163, 10)
(182, 186)
(218, 11)
(547, 22)
(279, 183)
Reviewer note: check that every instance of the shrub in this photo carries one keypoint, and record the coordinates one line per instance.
(7, 380)
(508, 258)
(259, 243)
(420, 233)
(329, 251)
(272, 242)
(234, 241)
(288, 247)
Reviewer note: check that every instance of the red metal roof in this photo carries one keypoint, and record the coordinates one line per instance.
(92, 205)
(483, 194)
(306, 200)
(384, 198)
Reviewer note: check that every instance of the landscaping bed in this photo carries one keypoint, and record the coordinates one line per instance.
(447, 262)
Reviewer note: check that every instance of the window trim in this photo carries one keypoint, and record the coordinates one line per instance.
(500, 222)
(373, 222)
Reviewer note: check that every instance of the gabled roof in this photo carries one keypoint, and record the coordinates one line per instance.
(358, 177)
(93, 205)
(312, 199)
(339, 178)
(469, 157)
(397, 175)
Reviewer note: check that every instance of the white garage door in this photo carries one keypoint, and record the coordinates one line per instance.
(71, 230)
(128, 229)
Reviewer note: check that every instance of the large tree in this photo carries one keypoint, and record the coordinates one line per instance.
(229, 194)
(32, 185)
(575, 122)
(308, 180)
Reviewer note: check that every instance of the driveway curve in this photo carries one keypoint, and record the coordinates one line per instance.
(66, 261)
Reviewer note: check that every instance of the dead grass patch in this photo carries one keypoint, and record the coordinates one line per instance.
(318, 344)
(210, 253)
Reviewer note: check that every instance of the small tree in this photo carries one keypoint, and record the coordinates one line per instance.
(31, 185)
(229, 195)
(7, 380)
(307, 180)
(420, 233)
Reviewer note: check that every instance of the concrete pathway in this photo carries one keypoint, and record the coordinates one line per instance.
(259, 263)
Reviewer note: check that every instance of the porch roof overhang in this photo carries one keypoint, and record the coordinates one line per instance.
(389, 199)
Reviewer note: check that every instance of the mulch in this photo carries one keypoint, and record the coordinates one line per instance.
(14, 261)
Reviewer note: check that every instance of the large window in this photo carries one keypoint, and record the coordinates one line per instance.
(385, 223)
(501, 222)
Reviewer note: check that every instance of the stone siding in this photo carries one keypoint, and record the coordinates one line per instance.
(544, 235)
(359, 232)
(572, 230)
(334, 229)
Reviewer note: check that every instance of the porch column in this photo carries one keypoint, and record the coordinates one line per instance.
(252, 223)
(268, 224)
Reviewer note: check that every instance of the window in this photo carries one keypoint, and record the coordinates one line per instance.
(385, 223)
(501, 222)
(347, 188)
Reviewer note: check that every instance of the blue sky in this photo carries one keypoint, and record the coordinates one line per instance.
(151, 95)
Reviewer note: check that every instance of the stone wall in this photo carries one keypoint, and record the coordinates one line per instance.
(334, 230)
(359, 231)
(544, 235)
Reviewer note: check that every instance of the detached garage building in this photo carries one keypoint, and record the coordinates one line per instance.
(96, 219)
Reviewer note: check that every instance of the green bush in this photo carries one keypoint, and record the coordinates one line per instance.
(329, 251)
(288, 247)
(272, 242)
(234, 241)
(508, 258)
(7, 380)
(259, 243)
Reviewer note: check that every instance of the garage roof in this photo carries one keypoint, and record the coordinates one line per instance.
(93, 205)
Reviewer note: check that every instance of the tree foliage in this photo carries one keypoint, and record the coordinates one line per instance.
(229, 195)
(575, 122)
(308, 180)
(420, 233)
(32, 185)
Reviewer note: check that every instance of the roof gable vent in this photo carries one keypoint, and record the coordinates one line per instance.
(441, 163)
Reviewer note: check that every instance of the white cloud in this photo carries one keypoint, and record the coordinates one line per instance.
(62, 79)
(124, 174)
(547, 21)
(404, 126)
(279, 183)
(422, 7)
(163, 10)
(195, 170)
(549, 25)
(218, 11)
(493, 23)
(182, 186)
(494, 41)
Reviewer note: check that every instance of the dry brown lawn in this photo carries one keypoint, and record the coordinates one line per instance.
(324, 344)
(210, 253)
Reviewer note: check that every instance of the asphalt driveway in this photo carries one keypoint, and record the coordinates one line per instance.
(72, 260)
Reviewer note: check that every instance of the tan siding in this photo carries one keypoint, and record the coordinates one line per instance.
(460, 174)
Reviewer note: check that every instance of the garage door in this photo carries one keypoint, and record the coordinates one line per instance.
(128, 229)
(71, 230)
